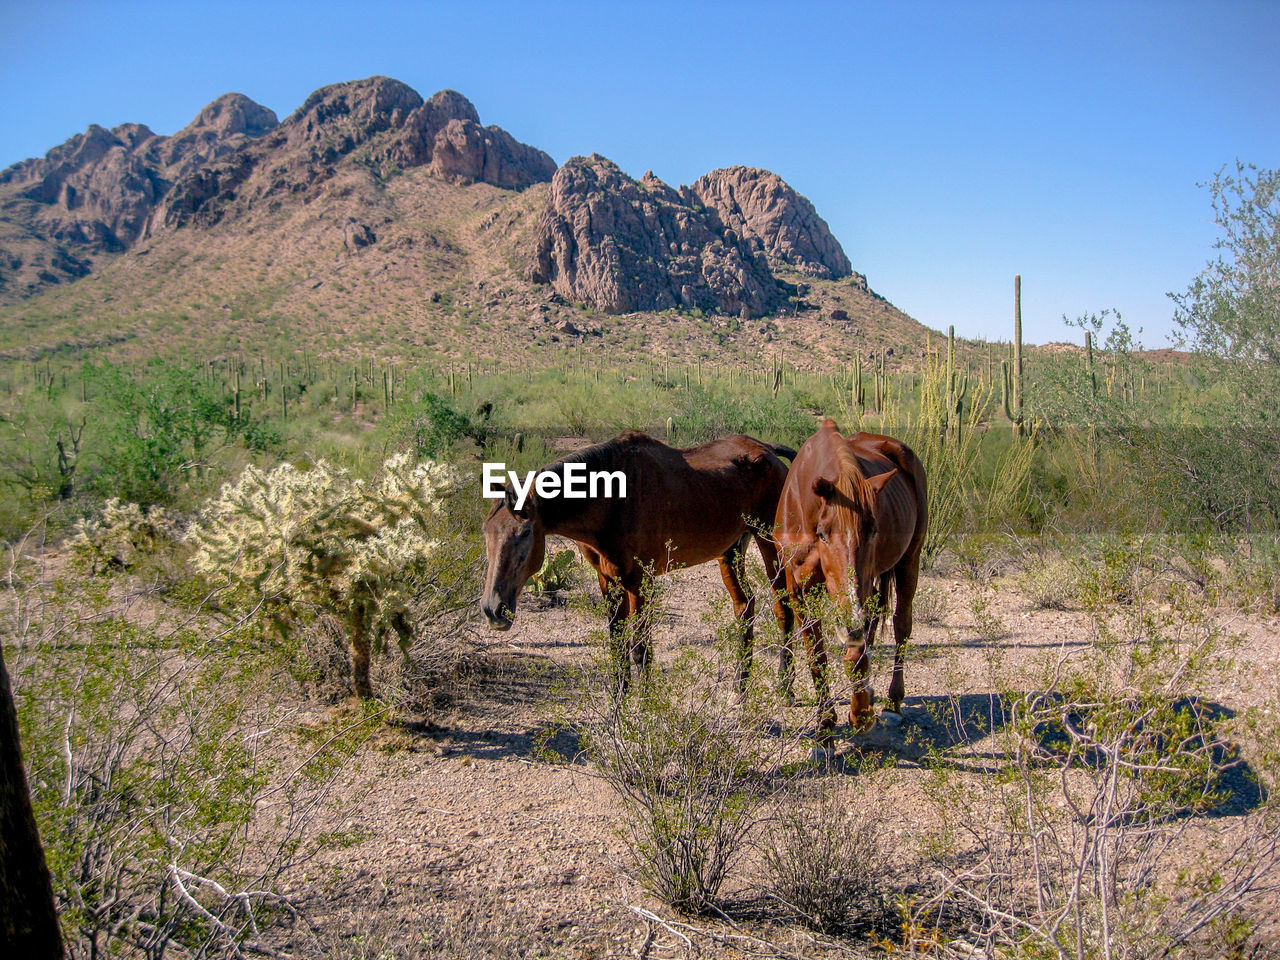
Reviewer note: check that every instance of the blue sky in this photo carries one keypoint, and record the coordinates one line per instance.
(948, 145)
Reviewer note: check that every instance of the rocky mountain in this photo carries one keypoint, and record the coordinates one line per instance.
(758, 204)
(625, 245)
(94, 195)
(371, 219)
(103, 191)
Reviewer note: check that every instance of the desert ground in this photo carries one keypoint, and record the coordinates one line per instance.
(473, 843)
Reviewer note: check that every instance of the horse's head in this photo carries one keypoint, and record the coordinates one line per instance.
(514, 543)
(845, 532)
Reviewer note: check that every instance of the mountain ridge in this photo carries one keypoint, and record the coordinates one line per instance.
(349, 209)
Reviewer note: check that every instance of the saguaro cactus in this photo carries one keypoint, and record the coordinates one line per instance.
(1011, 388)
(957, 386)
(1088, 359)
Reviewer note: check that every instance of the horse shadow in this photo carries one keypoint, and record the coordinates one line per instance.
(962, 733)
(514, 683)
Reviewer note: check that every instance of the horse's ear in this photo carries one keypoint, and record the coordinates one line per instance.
(824, 488)
(877, 483)
(525, 511)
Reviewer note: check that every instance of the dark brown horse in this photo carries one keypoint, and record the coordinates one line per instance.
(682, 507)
(852, 516)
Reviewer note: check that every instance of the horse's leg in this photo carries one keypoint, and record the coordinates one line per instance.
(782, 610)
(615, 600)
(638, 624)
(857, 657)
(811, 630)
(905, 575)
(733, 570)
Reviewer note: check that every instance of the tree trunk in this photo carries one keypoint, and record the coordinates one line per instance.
(28, 918)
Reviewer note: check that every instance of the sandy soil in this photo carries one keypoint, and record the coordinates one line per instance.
(473, 845)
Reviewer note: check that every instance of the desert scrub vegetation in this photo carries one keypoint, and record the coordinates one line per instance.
(694, 764)
(1122, 813)
(829, 864)
(175, 795)
(376, 556)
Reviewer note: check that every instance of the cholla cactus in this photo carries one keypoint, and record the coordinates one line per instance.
(320, 539)
(121, 536)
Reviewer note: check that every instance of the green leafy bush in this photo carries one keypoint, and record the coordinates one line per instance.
(172, 820)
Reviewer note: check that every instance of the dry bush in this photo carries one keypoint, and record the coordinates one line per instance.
(1050, 582)
(930, 607)
(827, 864)
(1097, 830)
(175, 796)
(694, 763)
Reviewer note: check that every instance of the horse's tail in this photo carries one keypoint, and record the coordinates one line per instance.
(780, 451)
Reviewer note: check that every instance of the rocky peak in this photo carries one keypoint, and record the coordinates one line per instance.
(343, 115)
(627, 245)
(96, 193)
(219, 129)
(452, 105)
(230, 115)
(445, 134)
(758, 203)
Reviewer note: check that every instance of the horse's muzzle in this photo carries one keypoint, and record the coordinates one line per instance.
(495, 612)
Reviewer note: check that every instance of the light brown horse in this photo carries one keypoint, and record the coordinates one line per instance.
(852, 516)
(683, 507)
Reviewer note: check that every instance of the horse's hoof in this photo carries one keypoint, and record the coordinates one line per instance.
(862, 725)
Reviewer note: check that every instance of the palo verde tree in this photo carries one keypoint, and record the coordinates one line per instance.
(1230, 314)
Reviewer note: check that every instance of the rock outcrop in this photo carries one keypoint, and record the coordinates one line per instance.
(445, 133)
(625, 245)
(95, 194)
(97, 190)
(757, 203)
(379, 122)
(103, 191)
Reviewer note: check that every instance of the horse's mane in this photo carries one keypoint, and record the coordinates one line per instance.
(611, 454)
(851, 483)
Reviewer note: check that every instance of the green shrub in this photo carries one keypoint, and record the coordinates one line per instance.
(694, 770)
(163, 771)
